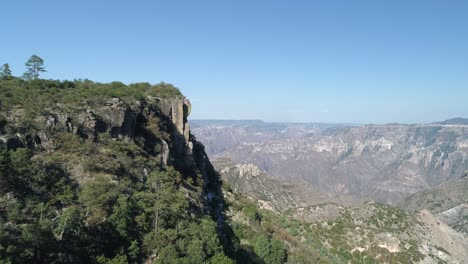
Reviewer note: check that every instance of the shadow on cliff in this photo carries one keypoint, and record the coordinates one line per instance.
(218, 207)
(162, 130)
(157, 132)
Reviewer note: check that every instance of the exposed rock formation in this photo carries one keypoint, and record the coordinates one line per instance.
(178, 110)
(274, 194)
(118, 119)
(248, 170)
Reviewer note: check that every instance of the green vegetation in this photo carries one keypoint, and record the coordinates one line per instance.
(34, 96)
(30, 100)
(108, 219)
(389, 219)
(34, 66)
(40, 94)
(106, 200)
(352, 237)
(112, 200)
(5, 72)
(270, 250)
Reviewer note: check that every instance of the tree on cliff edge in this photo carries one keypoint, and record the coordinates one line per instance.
(5, 72)
(34, 66)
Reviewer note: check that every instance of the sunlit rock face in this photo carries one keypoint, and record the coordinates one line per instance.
(178, 110)
(117, 119)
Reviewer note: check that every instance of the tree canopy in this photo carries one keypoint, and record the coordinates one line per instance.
(34, 66)
(5, 72)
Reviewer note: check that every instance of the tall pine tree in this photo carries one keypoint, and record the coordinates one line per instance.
(34, 65)
(5, 72)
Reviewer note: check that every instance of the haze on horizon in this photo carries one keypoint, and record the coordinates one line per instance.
(333, 61)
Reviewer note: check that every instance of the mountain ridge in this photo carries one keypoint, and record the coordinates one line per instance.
(450, 121)
(383, 162)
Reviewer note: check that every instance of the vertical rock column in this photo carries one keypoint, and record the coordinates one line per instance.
(187, 107)
(178, 111)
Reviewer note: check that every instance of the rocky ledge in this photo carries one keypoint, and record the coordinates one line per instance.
(114, 117)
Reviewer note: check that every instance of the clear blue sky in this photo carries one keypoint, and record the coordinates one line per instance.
(320, 61)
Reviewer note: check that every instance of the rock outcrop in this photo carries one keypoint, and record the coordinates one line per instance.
(178, 110)
(119, 120)
(273, 193)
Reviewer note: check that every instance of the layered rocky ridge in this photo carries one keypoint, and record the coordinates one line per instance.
(116, 118)
(382, 162)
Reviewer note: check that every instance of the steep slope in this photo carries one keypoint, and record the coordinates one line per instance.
(371, 233)
(285, 197)
(386, 163)
(328, 232)
(105, 173)
(448, 201)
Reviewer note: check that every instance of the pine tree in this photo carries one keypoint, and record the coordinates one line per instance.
(34, 66)
(5, 72)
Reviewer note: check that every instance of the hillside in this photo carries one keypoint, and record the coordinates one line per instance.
(448, 201)
(330, 232)
(105, 173)
(454, 121)
(386, 163)
(280, 196)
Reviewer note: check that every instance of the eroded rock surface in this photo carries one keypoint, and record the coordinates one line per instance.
(386, 163)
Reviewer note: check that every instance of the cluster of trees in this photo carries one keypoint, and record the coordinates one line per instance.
(34, 66)
(270, 250)
(5, 72)
(115, 214)
(263, 241)
(47, 217)
(33, 95)
(111, 211)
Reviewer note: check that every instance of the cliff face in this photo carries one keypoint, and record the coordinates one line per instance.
(166, 118)
(177, 110)
(159, 125)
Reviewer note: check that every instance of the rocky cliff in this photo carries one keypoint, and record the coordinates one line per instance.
(116, 118)
(159, 125)
(108, 173)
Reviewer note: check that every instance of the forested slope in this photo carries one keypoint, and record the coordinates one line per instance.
(105, 173)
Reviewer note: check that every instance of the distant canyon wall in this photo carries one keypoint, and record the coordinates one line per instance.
(385, 163)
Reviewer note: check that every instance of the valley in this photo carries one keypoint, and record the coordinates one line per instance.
(385, 163)
(399, 190)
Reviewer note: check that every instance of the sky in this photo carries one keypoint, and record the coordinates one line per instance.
(295, 61)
